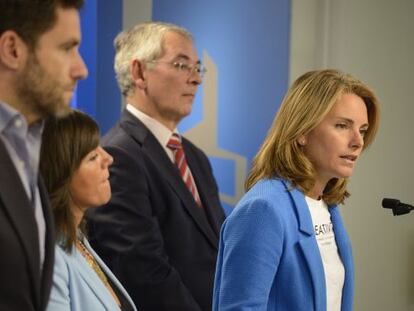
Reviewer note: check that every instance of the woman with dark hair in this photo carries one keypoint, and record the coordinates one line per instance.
(284, 246)
(75, 171)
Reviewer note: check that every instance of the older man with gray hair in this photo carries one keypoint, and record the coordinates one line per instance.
(159, 233)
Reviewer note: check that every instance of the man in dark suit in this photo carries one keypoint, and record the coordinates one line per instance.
(39, 67)
(159, 233)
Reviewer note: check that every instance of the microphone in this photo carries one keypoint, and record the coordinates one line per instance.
(397, 207)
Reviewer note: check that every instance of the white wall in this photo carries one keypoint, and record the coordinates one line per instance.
(373, 40)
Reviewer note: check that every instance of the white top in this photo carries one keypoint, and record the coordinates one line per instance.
(332, 263)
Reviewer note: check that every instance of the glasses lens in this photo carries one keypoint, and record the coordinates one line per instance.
(201, 70)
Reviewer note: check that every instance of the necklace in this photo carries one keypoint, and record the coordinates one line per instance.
(95, 267)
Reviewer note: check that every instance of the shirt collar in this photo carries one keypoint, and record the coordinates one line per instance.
(9, 116)
(159, 130)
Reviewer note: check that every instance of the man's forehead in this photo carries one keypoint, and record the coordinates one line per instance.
(66, 26)
(179, 46)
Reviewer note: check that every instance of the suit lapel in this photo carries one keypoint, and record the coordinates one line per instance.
(49, 243)
(21, 214)
(110, 275)
(92, 280)
(309, 247)
(170, 172)
(202, 191)
(157, 155)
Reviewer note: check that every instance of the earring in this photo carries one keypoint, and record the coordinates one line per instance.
(302, 142)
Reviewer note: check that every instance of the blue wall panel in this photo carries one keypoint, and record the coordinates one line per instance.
(99, 95)
(85, 98)
(108, 95)
(248, 42)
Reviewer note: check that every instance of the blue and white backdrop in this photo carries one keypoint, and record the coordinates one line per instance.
(245, 47)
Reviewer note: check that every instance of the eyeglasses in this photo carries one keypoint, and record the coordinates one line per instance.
(183, 67)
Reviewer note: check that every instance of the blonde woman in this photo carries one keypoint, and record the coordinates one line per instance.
(284, 247)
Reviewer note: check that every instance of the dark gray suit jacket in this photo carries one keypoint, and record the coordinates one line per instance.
(154, 237)
(23, 286)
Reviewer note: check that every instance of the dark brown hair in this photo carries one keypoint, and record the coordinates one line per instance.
(31, 18)
(65, 142)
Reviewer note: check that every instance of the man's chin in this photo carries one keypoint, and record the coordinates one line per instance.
(62, 111)
(187, 110)
(56, 109)
(61, 107)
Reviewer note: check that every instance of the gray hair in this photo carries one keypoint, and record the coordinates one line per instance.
(143, 42)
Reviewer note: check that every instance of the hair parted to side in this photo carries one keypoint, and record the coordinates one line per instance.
(65, 142)
(143, 42)
(306, 103)
(31, 18)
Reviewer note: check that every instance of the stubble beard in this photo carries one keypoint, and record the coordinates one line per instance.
(41, 92)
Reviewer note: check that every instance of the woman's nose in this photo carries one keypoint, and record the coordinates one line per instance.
(107, 158)
(357, 140)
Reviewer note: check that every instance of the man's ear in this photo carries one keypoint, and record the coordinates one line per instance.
(137, 69)
(13, 51)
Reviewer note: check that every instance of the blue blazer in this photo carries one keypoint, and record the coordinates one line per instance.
(269, 257)
(76, 286)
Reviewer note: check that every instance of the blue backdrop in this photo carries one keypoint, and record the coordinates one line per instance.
(99, 95)
(246, 42)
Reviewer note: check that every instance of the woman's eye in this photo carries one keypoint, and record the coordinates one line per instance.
(341, 125)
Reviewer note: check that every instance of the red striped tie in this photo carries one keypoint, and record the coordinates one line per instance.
(175, 145)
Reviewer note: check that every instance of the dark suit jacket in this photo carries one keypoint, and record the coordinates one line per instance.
(23, 286)
(154, 237)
